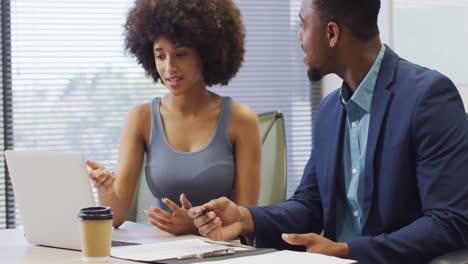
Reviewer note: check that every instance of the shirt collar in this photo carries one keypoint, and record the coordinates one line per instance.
(365, 91)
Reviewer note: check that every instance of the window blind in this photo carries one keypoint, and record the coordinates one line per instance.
(7, 209)
(273, 76)
(3, 197)
(72, 85)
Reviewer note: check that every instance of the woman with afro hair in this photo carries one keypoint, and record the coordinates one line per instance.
(199, 146)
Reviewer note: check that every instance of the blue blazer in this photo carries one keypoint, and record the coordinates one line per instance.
(416, 172)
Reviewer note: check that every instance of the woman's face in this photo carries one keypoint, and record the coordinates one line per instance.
(180, 67)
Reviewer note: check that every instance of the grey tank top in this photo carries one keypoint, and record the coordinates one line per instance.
(202, 175)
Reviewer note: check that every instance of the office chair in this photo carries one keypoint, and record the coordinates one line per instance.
(273, 169)
(456, 257)
(142, 199)
(274, 163)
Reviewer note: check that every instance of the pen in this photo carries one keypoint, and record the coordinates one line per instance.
(200, 212)
(214, 253)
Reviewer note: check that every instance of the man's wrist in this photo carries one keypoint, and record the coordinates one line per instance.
(342, 250)
(246, 220)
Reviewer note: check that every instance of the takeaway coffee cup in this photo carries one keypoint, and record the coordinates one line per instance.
(96, 233)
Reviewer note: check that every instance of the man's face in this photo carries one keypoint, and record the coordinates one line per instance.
(311, 34)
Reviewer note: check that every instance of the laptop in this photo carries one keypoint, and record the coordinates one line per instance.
(50, 188)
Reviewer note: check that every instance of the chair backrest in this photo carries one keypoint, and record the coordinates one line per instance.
(274, 162)
(273, 169)
(142, 199)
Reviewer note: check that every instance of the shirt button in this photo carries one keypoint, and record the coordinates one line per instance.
(353, 124)
(356, 213)
(354, 170)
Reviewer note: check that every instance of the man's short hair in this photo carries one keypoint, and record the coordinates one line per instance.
(360, 16)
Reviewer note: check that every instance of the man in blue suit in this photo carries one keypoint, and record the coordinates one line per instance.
(387, 179)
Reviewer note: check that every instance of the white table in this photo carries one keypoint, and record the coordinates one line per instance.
(15, 249)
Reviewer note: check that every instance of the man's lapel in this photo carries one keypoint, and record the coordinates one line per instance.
(380, 102)
(337, 121)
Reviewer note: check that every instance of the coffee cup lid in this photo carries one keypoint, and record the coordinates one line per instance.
(96, 213)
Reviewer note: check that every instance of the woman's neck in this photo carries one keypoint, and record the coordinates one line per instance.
(189, 103)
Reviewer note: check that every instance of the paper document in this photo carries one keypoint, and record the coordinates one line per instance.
(189, 248)
(282, 257)
(144, 234)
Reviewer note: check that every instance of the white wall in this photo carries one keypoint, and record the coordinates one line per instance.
(429, 33)
(434, 34)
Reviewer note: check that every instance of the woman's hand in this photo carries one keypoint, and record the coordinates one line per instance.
(103, 179)
(177, 223)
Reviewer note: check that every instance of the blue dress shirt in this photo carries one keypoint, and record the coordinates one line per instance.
(357, 106)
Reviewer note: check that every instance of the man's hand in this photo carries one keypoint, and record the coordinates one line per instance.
(221, 219)
(318, 244)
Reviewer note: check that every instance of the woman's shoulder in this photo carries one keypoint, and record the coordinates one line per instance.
(138, 123)
(139, 115)
(243, 115)
(140, 111)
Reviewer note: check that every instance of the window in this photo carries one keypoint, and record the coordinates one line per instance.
(72, 86)
(71, 83)
(7, 211)
(273, 76)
